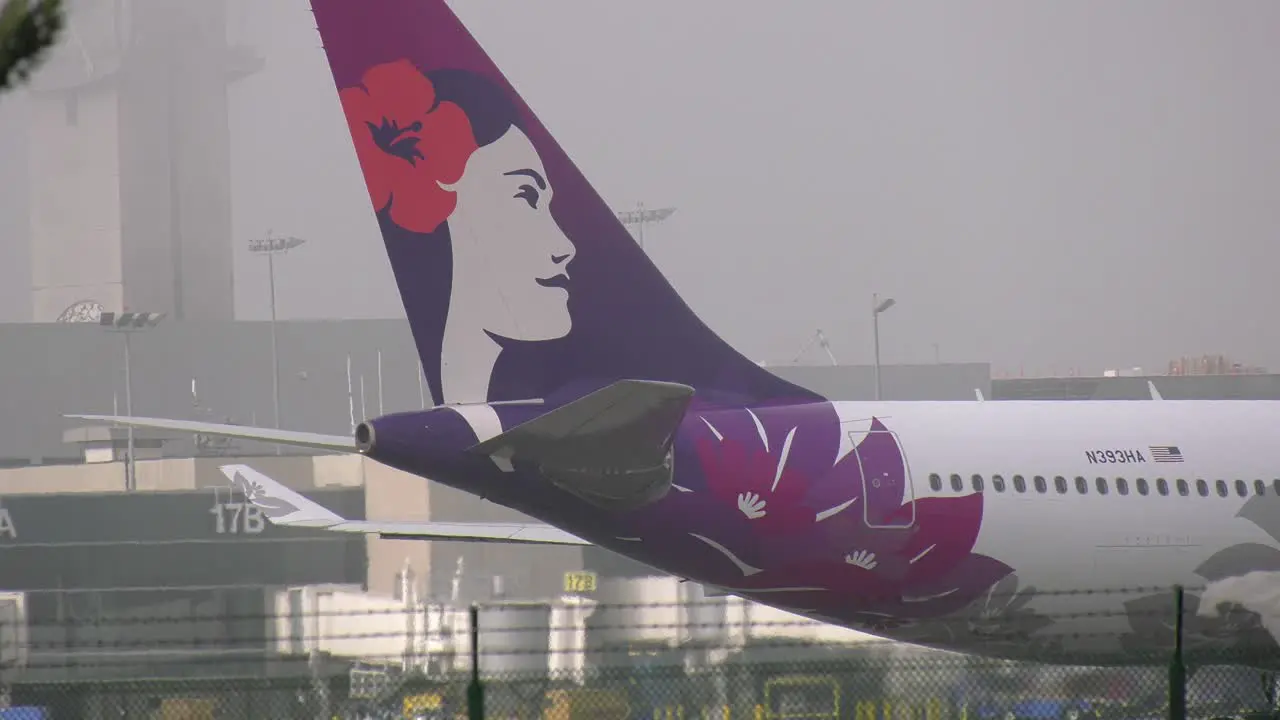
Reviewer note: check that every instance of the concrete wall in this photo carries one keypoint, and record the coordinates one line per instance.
(15, 223)
(176, 564)
(179, 474)
(174, 144)
(74, 185)
(129, 162)
(1171, 387)
(394, 495)
(180, 572)
(941, 381)
(47, 370)
(58, 508)
(530, 572)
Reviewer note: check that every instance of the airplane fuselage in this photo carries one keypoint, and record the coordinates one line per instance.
(1046, 530)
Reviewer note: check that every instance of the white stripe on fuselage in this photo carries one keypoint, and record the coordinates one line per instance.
(484, 422)
(482, 418)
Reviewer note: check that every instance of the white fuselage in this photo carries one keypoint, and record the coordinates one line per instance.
(1117, 546)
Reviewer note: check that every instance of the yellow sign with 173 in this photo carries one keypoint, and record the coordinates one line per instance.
(579, 582)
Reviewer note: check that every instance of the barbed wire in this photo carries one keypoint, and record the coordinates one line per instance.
(991, 600)
(838, 687)
(709, 599)
(756, 631)
(598, 660)
(827, 689)
(218, 632)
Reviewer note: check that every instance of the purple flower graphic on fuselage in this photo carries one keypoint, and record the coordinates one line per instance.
(941, 535)
(876, 472)
(783, 503)
(762, 462)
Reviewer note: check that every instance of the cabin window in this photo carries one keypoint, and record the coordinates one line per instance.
(1162, 486)
(935, 482)
(1060, 484)
(1041, 485)
(1242, 489)
(1202, 487)
(1143, 488)
(1082, 485)
(1221, 487)
(1102, 486)
(977, 483)
(1019, 483)
(1259, 487)
(997, 482)
(1122, 486)
(1183, 488)
(957, 483)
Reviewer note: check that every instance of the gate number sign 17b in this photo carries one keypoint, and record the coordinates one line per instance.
(235, 516)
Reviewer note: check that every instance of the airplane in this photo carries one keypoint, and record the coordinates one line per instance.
(571, 382)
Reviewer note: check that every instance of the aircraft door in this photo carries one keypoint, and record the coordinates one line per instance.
(887, 493)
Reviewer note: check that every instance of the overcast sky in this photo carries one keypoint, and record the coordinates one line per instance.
(1080, 184)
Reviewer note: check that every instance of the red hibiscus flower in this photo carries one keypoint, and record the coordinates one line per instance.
(408, 145)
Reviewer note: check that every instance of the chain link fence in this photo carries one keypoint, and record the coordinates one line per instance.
(567, 660)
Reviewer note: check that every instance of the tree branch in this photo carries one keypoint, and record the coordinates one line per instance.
(27, 29)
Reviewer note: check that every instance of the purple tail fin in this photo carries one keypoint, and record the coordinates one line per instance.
(518, 280)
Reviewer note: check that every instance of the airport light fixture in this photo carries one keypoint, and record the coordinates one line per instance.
(642, 216)
(273, 245)
(128, 323)
(878, 306)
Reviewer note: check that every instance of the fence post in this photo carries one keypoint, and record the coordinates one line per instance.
(475, 690)
(1177, 669)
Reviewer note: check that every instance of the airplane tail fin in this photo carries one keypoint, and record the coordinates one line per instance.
(517, 279)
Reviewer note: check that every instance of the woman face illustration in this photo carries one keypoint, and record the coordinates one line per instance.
(507, 246)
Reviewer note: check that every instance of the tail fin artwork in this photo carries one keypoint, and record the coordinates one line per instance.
(517, 279)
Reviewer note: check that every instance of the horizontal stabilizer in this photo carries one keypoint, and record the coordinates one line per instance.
(288, 508)
(639, 413)
(611, 447)
(341, 443)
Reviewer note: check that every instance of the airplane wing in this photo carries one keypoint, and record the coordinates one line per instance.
(288, 508)
(341, 443)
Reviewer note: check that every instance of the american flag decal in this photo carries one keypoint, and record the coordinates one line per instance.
(1166, 453)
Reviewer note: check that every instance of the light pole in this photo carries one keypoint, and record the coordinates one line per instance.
(128, 323)
(271, 246)
(878, 306)
(640, 217)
